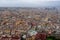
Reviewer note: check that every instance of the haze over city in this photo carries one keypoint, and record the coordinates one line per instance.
(29, 3)
(29, 20)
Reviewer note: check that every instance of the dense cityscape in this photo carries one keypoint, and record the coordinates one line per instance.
(29, 23)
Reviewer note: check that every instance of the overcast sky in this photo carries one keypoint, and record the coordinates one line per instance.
(28, 3)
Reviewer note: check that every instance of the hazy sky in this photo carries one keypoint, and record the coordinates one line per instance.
(28, 3)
